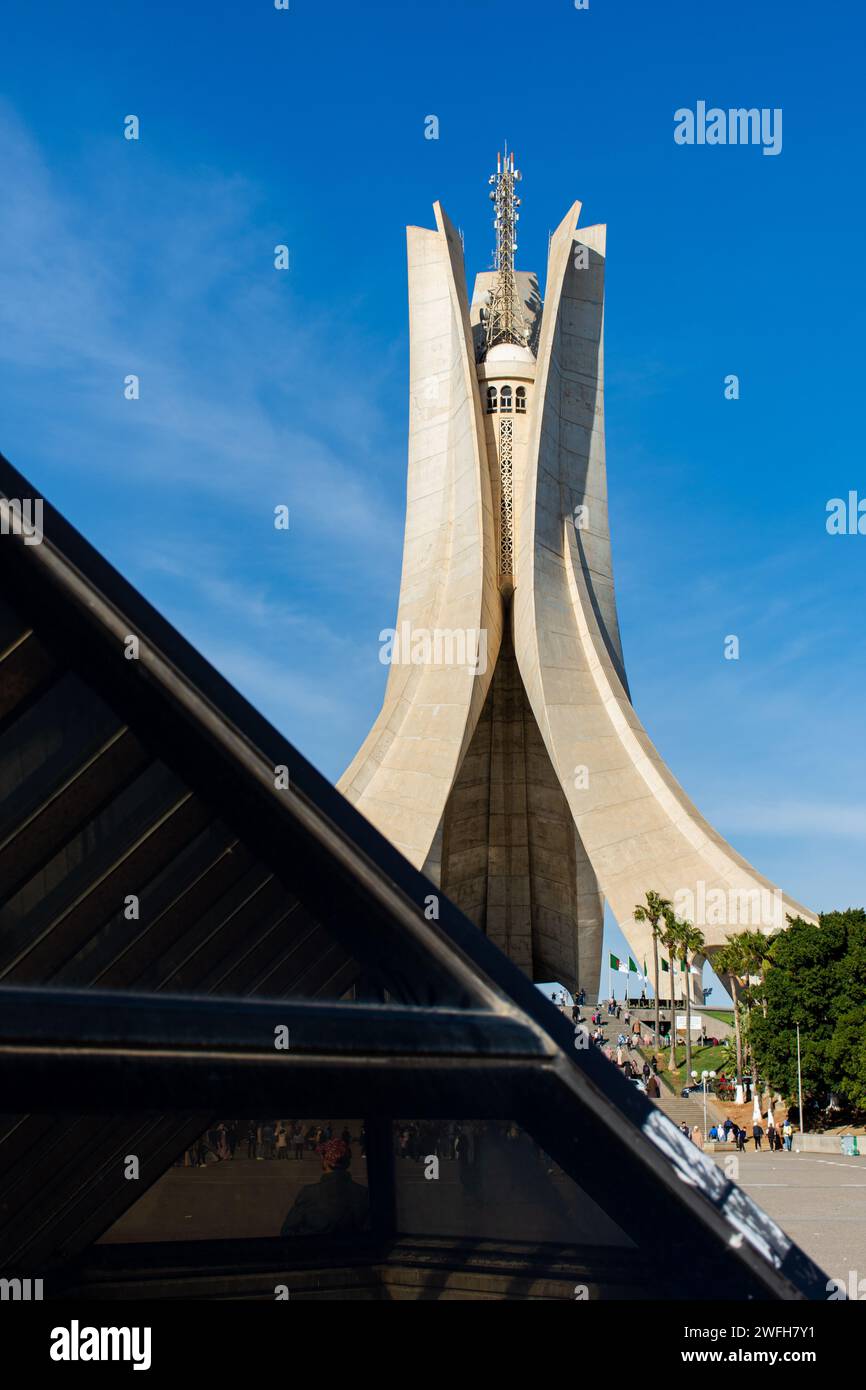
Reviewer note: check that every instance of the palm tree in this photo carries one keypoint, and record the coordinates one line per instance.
(731, 962)
(652, 912)
(671, 939)
(756, 954)
(692, 939)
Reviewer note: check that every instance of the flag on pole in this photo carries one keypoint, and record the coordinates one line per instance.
(632, 967)
(665, 965)
(616, 963)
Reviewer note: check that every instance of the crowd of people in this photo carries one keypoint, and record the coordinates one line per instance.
(632, 1037)
(778, 1137)
(421, 1140)
(265, 1139)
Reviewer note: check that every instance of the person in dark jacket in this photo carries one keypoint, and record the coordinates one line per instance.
(335, 1205)
(757, 1134)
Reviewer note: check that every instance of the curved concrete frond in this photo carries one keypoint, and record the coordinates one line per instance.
(637, 826)
(403, 773)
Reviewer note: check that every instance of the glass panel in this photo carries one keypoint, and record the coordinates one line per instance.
(251, 1178)
(489, 1179)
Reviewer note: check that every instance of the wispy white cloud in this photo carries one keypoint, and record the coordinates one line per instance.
(251, 396)
(245, 395)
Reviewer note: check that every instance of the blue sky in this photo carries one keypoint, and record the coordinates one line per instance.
(306, 127)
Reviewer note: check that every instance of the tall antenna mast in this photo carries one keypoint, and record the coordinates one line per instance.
(505, 321)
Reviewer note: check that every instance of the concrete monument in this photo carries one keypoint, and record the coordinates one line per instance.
(508, 761)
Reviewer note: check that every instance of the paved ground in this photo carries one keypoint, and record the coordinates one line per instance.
(510, 1192)
(242, 1198)
(818, 1199)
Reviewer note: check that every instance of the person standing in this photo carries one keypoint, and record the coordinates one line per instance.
(282, 1140)
(757, 1135)
(298, 1139)
(787, 1134)
(252, 1138)
(741, 1140)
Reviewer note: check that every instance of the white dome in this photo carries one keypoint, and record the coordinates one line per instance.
(509, 352)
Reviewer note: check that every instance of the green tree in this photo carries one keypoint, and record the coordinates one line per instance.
(731, 962)
(652, 912)
(757, 955)
(728, 1060)
(692, 941)
(815, 976)
(671, 938)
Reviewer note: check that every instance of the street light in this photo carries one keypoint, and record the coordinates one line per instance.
(800, 1084)
(705, 1077)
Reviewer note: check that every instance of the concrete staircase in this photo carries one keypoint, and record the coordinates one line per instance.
(689, 1110)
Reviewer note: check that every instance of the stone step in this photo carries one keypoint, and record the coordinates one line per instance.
(688, 1109)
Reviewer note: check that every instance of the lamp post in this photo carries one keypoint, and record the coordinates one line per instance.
(800, 1085)
(705, 1077)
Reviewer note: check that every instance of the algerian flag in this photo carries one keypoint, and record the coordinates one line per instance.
(632, 967)
(616, 963)
(644, 968)
(665, 965)
(684, 966)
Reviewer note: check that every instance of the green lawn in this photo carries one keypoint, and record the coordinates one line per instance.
(703, 1059)
(723, 1015)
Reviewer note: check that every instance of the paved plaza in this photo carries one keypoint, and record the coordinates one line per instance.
(818, 1199)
